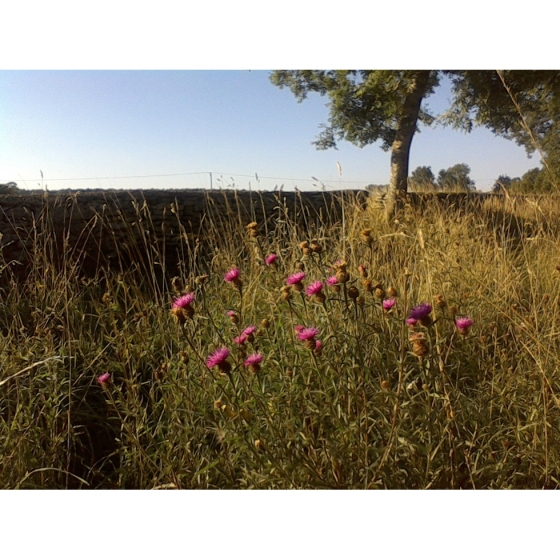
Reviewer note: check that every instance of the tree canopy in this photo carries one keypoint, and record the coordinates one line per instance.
(367, 106)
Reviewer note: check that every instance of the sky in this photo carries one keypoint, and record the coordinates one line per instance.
(171, 129)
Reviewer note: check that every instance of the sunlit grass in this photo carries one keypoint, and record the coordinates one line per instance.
(418, 354)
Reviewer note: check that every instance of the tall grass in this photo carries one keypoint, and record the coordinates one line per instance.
(378, 403)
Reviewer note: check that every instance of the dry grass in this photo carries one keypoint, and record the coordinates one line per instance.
(476, 411)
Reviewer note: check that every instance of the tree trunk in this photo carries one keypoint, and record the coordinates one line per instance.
(400, 150)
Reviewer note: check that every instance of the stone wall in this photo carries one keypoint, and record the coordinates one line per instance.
(107, 228)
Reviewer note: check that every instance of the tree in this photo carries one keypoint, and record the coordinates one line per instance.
(456, 178)
(367, 106)
(422, 178)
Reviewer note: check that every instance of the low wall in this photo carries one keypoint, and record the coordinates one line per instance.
(103, 228)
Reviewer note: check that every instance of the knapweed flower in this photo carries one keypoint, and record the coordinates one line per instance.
(271, 259)
(318, 348)
(411, 321)
(184, 301)
(249, 332)
(463, 324)
(419, 344)
(332, 281)
(422, 314)
(388, 304)
(181, 308)
(233, 316)
(104, 380)
(308, 335)
(240, 340)
(219, 359)
(253, 362)
(315, 289)
(232, 276)
(295, 281)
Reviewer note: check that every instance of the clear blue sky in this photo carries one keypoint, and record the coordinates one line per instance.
(96, 124)
(107, 121)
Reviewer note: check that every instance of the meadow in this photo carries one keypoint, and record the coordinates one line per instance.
(358, 354)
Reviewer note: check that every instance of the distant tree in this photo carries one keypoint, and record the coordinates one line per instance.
(9, 188)
(368, 106)
(422, 177)
(455, 178)
(501, 183)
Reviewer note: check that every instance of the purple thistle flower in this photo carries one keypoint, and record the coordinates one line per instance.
(253, 360)
(308, 333)
(217, 358)
(249, 330)
(295, 278)
(270, 259)
(332, 280)
(104, 378)
(318, 345)
(183, 301)
(231, 313)
(241, 339)
(420, 311)
(314, 288)
(388, 304)
(232, 275)
(463, 324)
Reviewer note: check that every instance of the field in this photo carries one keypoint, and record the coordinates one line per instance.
(422, 353)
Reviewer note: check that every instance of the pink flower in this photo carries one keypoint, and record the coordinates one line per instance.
(298, 328)
(217, 358)
(232, 275)
(241, 339)
(411, 321)
(253, 359)
(331, 280)
(231, 313)
(388, 304)
(271, 259)
(295, 278)
(314, 288)
(308, 333)
(104, 378)
(183, 301)
(249, 330)
(318, 345)
(420, 311)
(463, 324)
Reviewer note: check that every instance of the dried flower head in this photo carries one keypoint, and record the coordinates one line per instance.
(201, 280)
(177, 284)
(286, 293)
(392, 292)
(363, 271)
(316, 248)
(353, 292)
